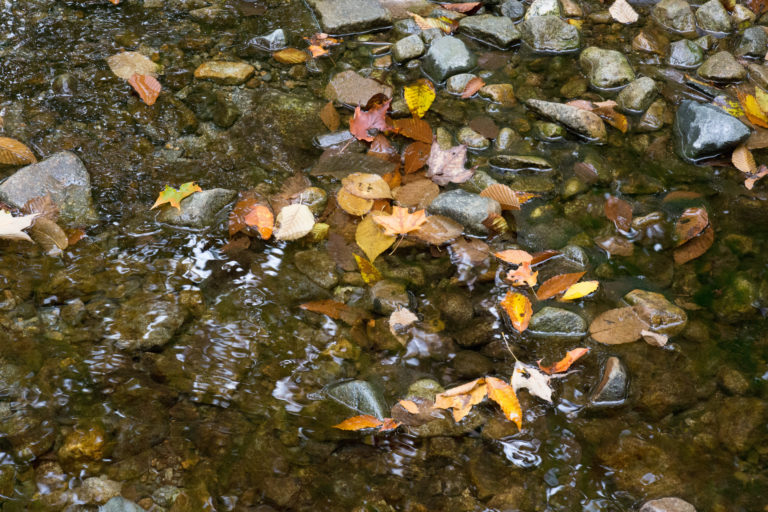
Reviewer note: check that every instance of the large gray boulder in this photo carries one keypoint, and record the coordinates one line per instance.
(550, 34)
(498, 31)
(446, 57)
(606, 68)
(583, 122)
(346, 16)
(62, 176)
(704, 130)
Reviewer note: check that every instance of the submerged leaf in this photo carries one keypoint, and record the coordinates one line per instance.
(13, 152)
(371, 274)
(617, 326)
(48, 235)
(330, 117)
(695, 247)
(462, 398)
(371, 239)
(147, 87)
(261, 218)
(438, 230)
(415, 156)
(447, 165)
(374, 119)
(352, 204)
(413, 128)
(473, 85)
(619, 212)
(690, 224)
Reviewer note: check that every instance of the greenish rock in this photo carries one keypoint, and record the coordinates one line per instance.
(573, 187)
(478, 182)
(520, 163)
(548, 132)
(472, 139)
(685, 54)
(583, 122)
(557, 324)
(754, 43)
(738, 301)
(713, 17)
(431, 35)
(674, 15)
(512, 9)
(469, 210)
(505, 139)
(544, 8)
(199, 209)
(703, 130)
(638, 95)
(722, 67)
(662, 316)
(606, 69)
(315, 198)
(732, 380)
(653, 118)
(742, 15)
(706, 42)
(360, 396)
(758, 74)
(347, 16)
(424, 388)
(388, 297)
(406, 27)
(457, 83)
(550, 34)
(498, 31)
(62, 176)
(408, 48)
(741, 423)
(318, 266)
(575, 87)
(446, 57)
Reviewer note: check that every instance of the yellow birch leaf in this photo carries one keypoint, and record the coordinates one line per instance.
(504, 395)
(762, 99)
(752, 110)
(519, 309)
(371, 238)
(580, 290)
(743, 160)
(419, 96)
(370, 273)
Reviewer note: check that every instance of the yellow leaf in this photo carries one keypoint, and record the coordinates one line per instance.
(419, 96)
(173, 197)
(752, 110)
(371, 238)
(762, 99)
(359, 423)
(352, 204)
(370, 273)
(290, 56)
(504, 395)
(519, 309)
(580, 290)
(367, 186)
(462, 398)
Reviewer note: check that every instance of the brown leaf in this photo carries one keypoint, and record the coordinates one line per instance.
(290, 56)
(541, 257)
(743, 160)
(336, 310)
(362, 123)
(474, 85)
(692, 222)
(417, 194)
(616, 326)
(515, 257)
(382, 148)
(753, 178)
(447, 165)
(485, 126)
(359, 423)
(48, 235)
(366, 186)
(414, 128)
(619, 212)
(438, 230)
(261, 218)
(585, 172)
(13, 152)
(75, 236)
(290, 191)
(147, 86)
(236, 244)
(678, 195)
(465, 7)
(615, 245)
(242, 208)
(695, 247)
(565, 363)
(341, 252)
(557, 285)
(401, 222)
(416, 156)
(330, 117)
(504, 195)
(43, 206)
(469, 252)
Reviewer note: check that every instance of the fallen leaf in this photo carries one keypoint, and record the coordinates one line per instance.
(370, 273)
(43, 206)
(654, 339)
(293, 222)
(371, 239)
(359, 423)
(541, 257)
(695, 247)
(127, 64)
(173, 196)
(388, 424)
(519, 309)
(409, 406)
(413, 128)
(762, 99)
(743, 160)
(236, 221)
(619, 212)
(462, 398)
(336, 310)
(48, 235)
(330, 117)
(515, 256)
(13, 152)
(531, 378)
(557, 284)
(690, 224)
(383, 149)
(352, 204)
(473, 85)
(752, 109)
(319, 44)
(236, 244)
(147, 87)
(11, 227)
(504, 195)
(419, 96)
(416, 194)
(496, 224)
(400, 222)
(465, 7)
(622, 12)
(400, 321)
(485, 126)
(75, 236)
(415, 156)
(443, 23)
(290, 191)
(615, 245)
(753, 178)
(438, 230)
(565, 363)
(579, 290)
(613, 118)
(523, 276)
(585, 172)
(504, 395)
(115, 2)
(447, 165)
(366, 186)
(616, 326)
(261, 218)
(373, 119)
(290, 56)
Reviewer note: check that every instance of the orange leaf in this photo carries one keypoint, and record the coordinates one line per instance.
(557, 284)
(514, 256)
(330, 117)
(695, 247)
(416, 156)
(466, 7)
(473, 85)
(388, 424)
(413, 128)
(262, 219)
(75, 236)
(336, 310)
(374, 119)
(359, 423)
(753, 178)
(400, 222)
(523, 276)
(462, 398)
(619, 212)
(147, 86)
(409, 406)
(541, 257)
(115, 1)
(504, 195)
(519, 309)
(504, 395)
(564, 363)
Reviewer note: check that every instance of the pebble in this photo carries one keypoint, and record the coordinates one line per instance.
(638, 95)
(543, 8)
(498, 31)
(408, 48)
(503, 94)
(225, 73)
(667, 505)
(685, 54)
(606, 69)
(583, 122)
(675, 15)
(550, 34)
(457, 83)
(467, 209)
(446, 57)
(722, 67)
(472, 139)
(612, 389)
(347, 16)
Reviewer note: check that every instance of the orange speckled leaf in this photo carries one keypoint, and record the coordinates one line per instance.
(504, 395)
(519, 309)
(564, 363)
(147, 86)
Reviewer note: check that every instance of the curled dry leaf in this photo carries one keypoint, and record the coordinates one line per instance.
(743, 160)
(496, 224)
(367, 186)
(174, 197)
(534, 380)
(558, 284)
(619, 212)
(695, 247)
(261, 218)
(579, 290)
(504, 195)
(368, 271)
(504, 395)
(416, 194)
(371, 239)
(330, 117)
(13, 152)
(352, 204)
(363, 122)
(462, 398)
(419, 96)
(447, 165)
(515, 256)
(11, 228)
(290, 56)
(565, 363)
(48, 235)
(415, 156)
(127, 64)
(401, 222)
(147, 87)
(359, 423)
(473, 85)
(519, 309)
(622, 12)
(617, 326)
(438, 230)
(293, 222)
(690, 224)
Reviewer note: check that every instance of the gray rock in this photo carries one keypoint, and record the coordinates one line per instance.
(273, 41)
(703, 130)
(498, 31)
(663, 316)
(606, 68)
(120, 504)
(505, 139)
(667, 505)
(199, 209)
(472, 139)
(758, 74)
(424, 388)
(583, 122)
(446, 57)
(557, 324)
(431, 35)
(575, 256)
(713, 17)
(346, 16)
(146, 322)
(742, 14)
(360, 396)
(753, 43)
(637, 96)
(685, 54)
(457, 83)
(722, 67)
(544, 8)
(653, 118)
(408, 48)
(550, 34)
(353, 89)
(328, 140)
(388, 297)
(675, 15)
(64, 177)
(404, 28)
(513, 9)
(318, 266)
(612, 389)
(469, 210)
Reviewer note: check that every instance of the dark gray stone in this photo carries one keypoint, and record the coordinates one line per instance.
(64, 177)
(472, 139)
(713, 17)
(512, 9)
(583, 122)
(753, 43)
(346, 16)
(606, 68)
(653, 118)
(685, 54)
(498, 31)
(722, 67)
(613, 386)
(199, 209)
(550, 34)
(318, 266)
(557, 324)
(637, 96)
(703, 130)
(360, 396)
(469, 210)
(408, 48)
(675, 15)
(446, 57)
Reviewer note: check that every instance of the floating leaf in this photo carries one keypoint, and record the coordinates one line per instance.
(743, 160)
(401, 222)
(752, 109)
(147, 87)
(48, 235)
(690, 224)
(534, 380)
(557, 284)
(330, 117)
(371, 239)
(352, 204)
(409, 405)
(580, 290)
(462, 398)
(523, 276)
(504, 395)
(13, 152)
(415, 156)
(519, 309)
(541, 257)
(622, 12)
(261, 218)
(504, 195)
(11, 227)
(416, 194)
(319, 44)
(373, 119)
(514, 256)
(293, 222)
(359, 423)
(447, 165)
(565, 363)
(290, 56)
(619, 212)
(473, 85)
(695, 247)
(367, 186)
(419, 96)
(173, 196)
(438, 230)
(616, 326)
(127, 64)
(371, 274)
(383, 149)
(414, 128)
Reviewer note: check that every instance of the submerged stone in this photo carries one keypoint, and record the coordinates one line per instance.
(606, 68)
(224, 72)
(557, 324)
(354, 89)
(704, 130)
(667, 505)
(346, 16)
(550, 34)
(513, 9)
(360, 396)
(408, 48)
(457, 83)
(446, 57)
(472, 139)
(583, 122)
(753, 43)
(120, 504)
(469, 210)
(498, 31)
(663, 316)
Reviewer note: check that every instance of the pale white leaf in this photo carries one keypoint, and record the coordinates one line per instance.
(293, 222)
(534, 380)
(11, 227)
(622, 12)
